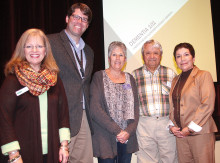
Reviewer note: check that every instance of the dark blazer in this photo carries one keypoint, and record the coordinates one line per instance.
(105, 128)
(74, 85)
(197, 101)
(20, 120)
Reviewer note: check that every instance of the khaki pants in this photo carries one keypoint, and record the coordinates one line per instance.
(81, 145)
(156, 144)
(196, 149)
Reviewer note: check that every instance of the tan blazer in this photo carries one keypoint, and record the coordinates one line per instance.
(197, 101)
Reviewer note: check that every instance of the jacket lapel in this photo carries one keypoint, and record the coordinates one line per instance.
(174, 84)
(88, 61)
(190, 79)
(69, 49)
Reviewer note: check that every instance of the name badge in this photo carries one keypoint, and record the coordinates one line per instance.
(126, 86)
(21, 91)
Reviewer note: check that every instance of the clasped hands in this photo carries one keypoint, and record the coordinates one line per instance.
(180, 134)
(123, 136)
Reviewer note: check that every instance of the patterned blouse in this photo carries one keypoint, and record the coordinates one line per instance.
(120, 100)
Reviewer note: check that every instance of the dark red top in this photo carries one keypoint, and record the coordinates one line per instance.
(20, 120)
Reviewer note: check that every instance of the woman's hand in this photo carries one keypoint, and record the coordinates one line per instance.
(19, 160)
(64, 152)
(13, 155)
(63, 156)
(185, 132)
(180, 134)
(176, 131)
(123, 136)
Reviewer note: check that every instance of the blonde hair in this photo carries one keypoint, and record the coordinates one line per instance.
(19, 55)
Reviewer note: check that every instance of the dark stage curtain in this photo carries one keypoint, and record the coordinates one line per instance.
(49, 15)
(216, 114)
(216, 30)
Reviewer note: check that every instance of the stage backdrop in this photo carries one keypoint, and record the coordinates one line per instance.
(168, 21)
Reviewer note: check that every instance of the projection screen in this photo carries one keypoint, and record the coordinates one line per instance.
(168, 21)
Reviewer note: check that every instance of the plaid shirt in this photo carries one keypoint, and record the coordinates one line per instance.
(153, 90)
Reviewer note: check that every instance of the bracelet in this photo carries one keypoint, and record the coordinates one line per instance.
(190, 131)
(14, 159)
(170, 130)
(64, 148)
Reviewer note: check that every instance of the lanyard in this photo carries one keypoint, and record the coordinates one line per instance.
(79, 61)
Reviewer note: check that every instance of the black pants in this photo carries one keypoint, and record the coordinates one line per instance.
(44, 158)
(122, 157)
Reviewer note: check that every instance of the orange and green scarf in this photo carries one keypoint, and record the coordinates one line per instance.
(37, 82)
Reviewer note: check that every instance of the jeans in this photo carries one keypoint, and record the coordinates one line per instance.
(122, 157)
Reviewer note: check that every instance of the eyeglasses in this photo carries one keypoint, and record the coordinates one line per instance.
(32, 46)
(77, 17)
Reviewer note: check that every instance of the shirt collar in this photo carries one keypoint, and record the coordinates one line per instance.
(81, 42)
(148, 71)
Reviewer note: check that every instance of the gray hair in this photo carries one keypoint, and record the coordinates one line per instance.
(116, 44)
(155, 44)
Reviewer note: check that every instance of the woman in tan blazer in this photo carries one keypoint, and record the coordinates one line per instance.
(192, 99)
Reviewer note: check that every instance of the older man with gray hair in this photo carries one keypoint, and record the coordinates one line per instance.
(156, 144)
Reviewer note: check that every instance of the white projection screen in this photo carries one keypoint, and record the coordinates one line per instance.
(168, 21)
